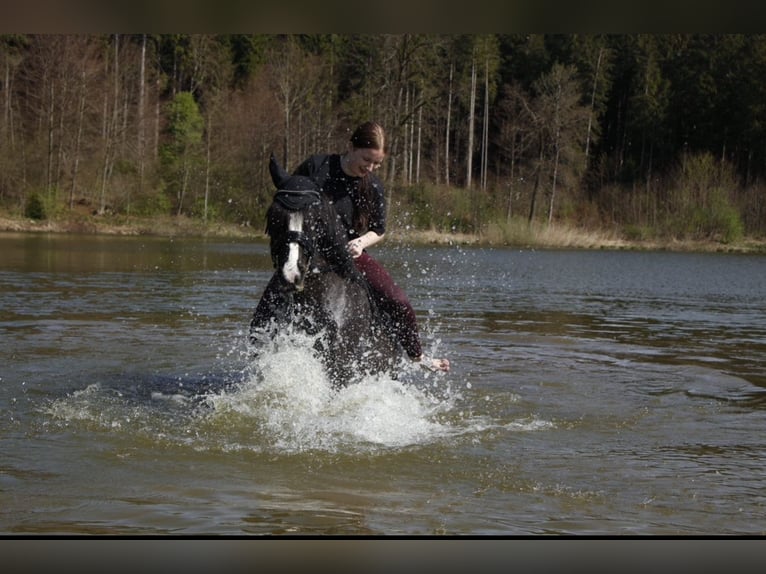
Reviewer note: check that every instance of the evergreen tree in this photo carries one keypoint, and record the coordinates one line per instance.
(181, 154)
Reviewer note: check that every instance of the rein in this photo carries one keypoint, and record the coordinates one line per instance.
(303, 240)
(298, 200)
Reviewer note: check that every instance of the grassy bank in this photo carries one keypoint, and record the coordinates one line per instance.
(516, 234)
(116, 225)
(562, 236)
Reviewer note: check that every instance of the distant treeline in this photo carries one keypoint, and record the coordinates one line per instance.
(654, 135)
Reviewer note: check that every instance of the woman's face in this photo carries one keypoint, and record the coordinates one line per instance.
(362, 160)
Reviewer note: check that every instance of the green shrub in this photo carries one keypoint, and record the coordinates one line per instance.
(721, 220)
(514, 232)
(35, 208)
(637, 232)
(151, 203)
(198, 209)
(446, 209)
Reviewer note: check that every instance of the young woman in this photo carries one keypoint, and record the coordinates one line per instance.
(358, 196)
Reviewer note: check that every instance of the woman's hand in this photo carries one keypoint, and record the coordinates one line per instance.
(359, 244)
(355, 247)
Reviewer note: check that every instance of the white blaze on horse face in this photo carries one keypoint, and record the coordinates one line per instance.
(290, 269)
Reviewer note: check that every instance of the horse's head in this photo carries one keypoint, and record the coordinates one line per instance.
(298, 225)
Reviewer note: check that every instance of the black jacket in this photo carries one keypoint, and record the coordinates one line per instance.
(343, 191)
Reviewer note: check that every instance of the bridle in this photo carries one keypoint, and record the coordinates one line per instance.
(302, 239)
(293, 202)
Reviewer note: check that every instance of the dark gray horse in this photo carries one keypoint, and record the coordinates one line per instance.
(316, 287)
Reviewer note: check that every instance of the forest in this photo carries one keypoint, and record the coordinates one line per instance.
(647, 135)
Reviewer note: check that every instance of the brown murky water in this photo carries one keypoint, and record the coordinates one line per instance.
(592, 393)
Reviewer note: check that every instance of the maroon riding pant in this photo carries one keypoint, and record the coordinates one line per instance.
(391, 298)
(394, 301)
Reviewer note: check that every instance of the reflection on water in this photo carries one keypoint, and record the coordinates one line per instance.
(591, 393)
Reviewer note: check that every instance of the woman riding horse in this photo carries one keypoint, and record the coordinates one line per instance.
(316, 287)
(349, 181)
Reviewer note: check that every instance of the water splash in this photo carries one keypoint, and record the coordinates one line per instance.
(288, 404)
(281, 401)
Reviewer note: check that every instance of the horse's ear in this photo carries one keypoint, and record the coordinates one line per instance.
(278, 175)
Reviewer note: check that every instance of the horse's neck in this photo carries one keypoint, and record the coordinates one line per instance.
(337, 263)
(333, 240)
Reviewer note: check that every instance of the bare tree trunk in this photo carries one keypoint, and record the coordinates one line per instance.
(485, 128)
(472, 105)
(649, 182)
(78, 138)
(6, 129)
(207, 164)
(286, 141)
(553, 186)
(64, 89)
(293, 82)
(535, 189)
(156, 141)
(592, 105)
(140, 118)
(407, 151)
(50, 121)
(437, 155)
(512, 180)
(557, 143)
(7, 102)
(420, 132)
(447, 131)
(125, 108)
(110, 127)
(104, 177)
(410, 168)
(184, 183)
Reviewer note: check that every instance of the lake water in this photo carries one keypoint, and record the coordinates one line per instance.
(592, 393)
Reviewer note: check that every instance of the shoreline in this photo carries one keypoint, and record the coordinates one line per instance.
(541, 237)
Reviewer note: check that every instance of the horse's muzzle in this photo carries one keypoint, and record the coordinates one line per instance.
(292, 279)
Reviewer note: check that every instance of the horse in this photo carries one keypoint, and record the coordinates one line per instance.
(316, 288)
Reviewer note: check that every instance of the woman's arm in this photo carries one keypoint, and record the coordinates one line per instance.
(356, 246)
